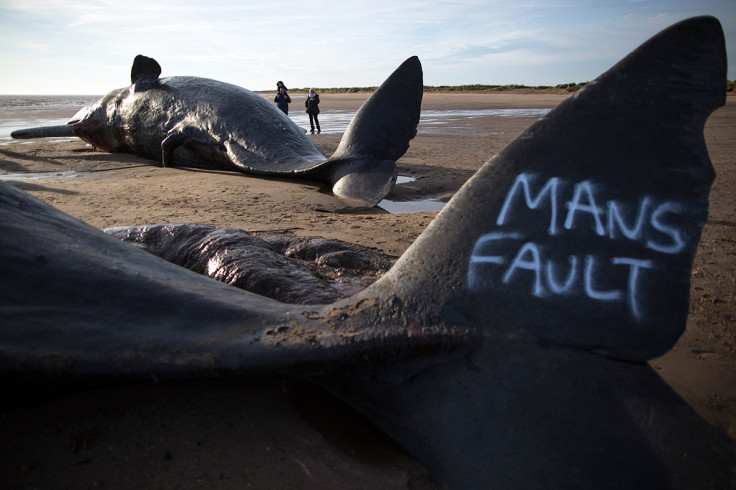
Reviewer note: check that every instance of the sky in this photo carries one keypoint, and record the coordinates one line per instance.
(87, 47)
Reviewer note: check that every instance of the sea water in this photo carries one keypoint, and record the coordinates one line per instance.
(28, 111)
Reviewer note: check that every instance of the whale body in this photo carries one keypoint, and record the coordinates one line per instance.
(506, 348)
(193, 121)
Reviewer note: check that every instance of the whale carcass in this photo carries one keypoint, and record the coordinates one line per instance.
(207, 123)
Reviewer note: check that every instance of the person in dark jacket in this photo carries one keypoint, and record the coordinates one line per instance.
(283, 100)
(312, 105)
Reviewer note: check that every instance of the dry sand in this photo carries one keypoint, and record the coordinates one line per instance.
(273, 434)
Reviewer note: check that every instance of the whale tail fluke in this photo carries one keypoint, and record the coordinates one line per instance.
(386, 123)
(567, 260)
(583, 229)
(564, 262)
(363, 166)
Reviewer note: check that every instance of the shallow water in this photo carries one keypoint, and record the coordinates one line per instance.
(331, 122)
(465, 122)
(65, 174)
(417, 206)
(431, 122)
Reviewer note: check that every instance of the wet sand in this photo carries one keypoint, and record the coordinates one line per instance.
(232, 433)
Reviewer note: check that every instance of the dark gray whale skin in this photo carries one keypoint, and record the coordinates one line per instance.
(192, 121)
(506, 348)
(272, 264)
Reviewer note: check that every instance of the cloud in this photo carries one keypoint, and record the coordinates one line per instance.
(331, 43)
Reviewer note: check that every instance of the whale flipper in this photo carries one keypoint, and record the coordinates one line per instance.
(504, 348)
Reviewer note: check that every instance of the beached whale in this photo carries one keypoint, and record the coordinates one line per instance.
(506, 348)
(192, 121)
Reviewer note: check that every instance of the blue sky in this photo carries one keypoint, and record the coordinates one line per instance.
(86, 47)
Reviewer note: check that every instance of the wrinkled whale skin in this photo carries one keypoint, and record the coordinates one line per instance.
(489, 365)
(271, 264)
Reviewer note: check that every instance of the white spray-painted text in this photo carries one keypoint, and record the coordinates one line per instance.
(648, 222)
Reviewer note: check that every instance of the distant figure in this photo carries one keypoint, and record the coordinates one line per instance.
(280, 84)
(312, 105)
(283, 100)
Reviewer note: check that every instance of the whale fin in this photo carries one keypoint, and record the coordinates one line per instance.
(363, 166)
(582, 231)
(144, 71)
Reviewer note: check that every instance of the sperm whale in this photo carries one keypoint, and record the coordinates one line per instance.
(207, 123)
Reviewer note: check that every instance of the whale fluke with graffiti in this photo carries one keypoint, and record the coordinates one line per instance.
(192, 121)
(506, 348)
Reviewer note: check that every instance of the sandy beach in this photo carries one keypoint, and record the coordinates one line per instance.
(271, 433)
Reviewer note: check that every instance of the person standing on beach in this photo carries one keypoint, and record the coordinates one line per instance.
(312, 106)
(283, 100)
